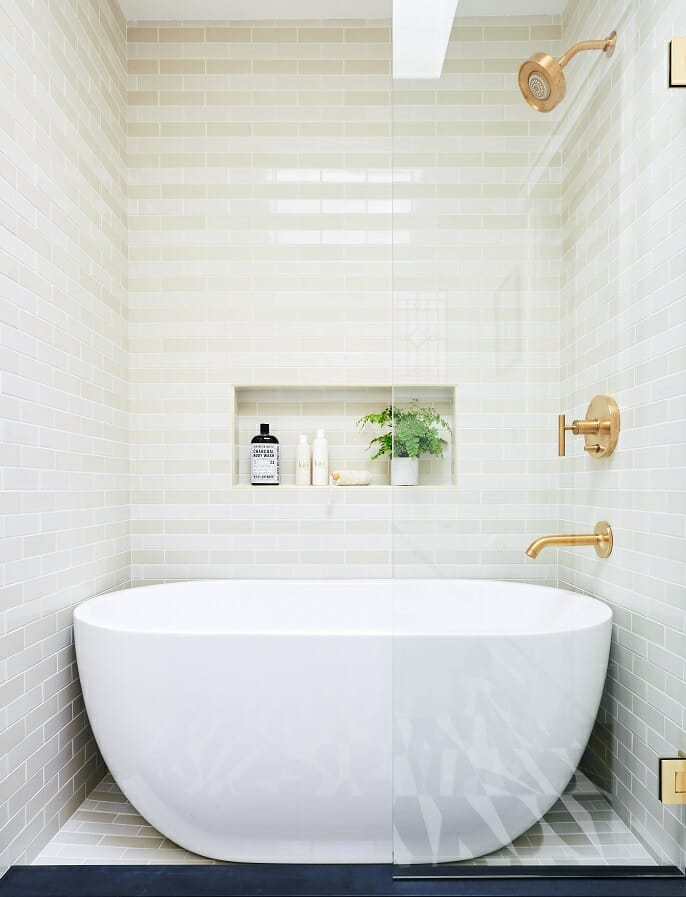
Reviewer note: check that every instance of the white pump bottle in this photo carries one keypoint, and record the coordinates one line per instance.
(320, 459)
(303, 463)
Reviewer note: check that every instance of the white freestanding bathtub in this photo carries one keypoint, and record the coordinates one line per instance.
(310, 721)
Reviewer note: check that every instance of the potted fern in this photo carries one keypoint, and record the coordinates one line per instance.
(406, 433)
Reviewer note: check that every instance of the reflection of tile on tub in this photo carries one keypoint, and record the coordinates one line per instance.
(580, 828)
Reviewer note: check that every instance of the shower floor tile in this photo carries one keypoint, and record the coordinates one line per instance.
(581, 829)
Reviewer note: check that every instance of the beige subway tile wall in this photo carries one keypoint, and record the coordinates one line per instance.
(273, 172)
(260, 216)
(476, 249)
(64, 392)
(623, 333)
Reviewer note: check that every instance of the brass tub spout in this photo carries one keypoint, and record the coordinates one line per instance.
(600, 538)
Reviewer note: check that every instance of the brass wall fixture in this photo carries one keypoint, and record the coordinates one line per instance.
(600, 539)
(673, 780)
(600, 428)
(541, 79)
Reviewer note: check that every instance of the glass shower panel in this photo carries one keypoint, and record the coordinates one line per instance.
(495, 689)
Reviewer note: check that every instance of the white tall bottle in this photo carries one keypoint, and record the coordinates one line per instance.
(303, 463)
(320, 459)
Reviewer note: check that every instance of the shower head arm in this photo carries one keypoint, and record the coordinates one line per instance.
(607, 46)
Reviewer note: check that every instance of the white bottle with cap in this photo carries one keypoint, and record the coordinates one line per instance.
(303, 463)
(320, 460)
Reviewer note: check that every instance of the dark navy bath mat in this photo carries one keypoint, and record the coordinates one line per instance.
(249, 880)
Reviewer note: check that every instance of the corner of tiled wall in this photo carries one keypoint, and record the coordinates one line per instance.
(63, 392)
(623, 333)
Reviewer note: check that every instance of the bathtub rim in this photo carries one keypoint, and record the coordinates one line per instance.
(594, 612)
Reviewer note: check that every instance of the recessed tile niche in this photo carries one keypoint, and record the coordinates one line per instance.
(292, 410)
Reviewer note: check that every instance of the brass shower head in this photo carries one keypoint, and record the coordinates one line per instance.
(541, 79)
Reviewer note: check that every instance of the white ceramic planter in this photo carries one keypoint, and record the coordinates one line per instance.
(404, 471)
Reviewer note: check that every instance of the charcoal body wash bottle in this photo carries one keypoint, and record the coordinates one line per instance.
(264, 458)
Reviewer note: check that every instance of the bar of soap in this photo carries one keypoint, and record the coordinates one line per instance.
(351, 477)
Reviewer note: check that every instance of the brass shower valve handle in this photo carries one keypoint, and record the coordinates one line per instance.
(578, 428)
(600, 428)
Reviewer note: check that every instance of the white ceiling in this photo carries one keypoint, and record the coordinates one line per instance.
(196, 10)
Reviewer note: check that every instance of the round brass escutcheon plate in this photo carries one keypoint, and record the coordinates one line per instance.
(604, 545)
(605, 410)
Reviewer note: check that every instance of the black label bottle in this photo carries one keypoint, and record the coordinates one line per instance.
(264, 458)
